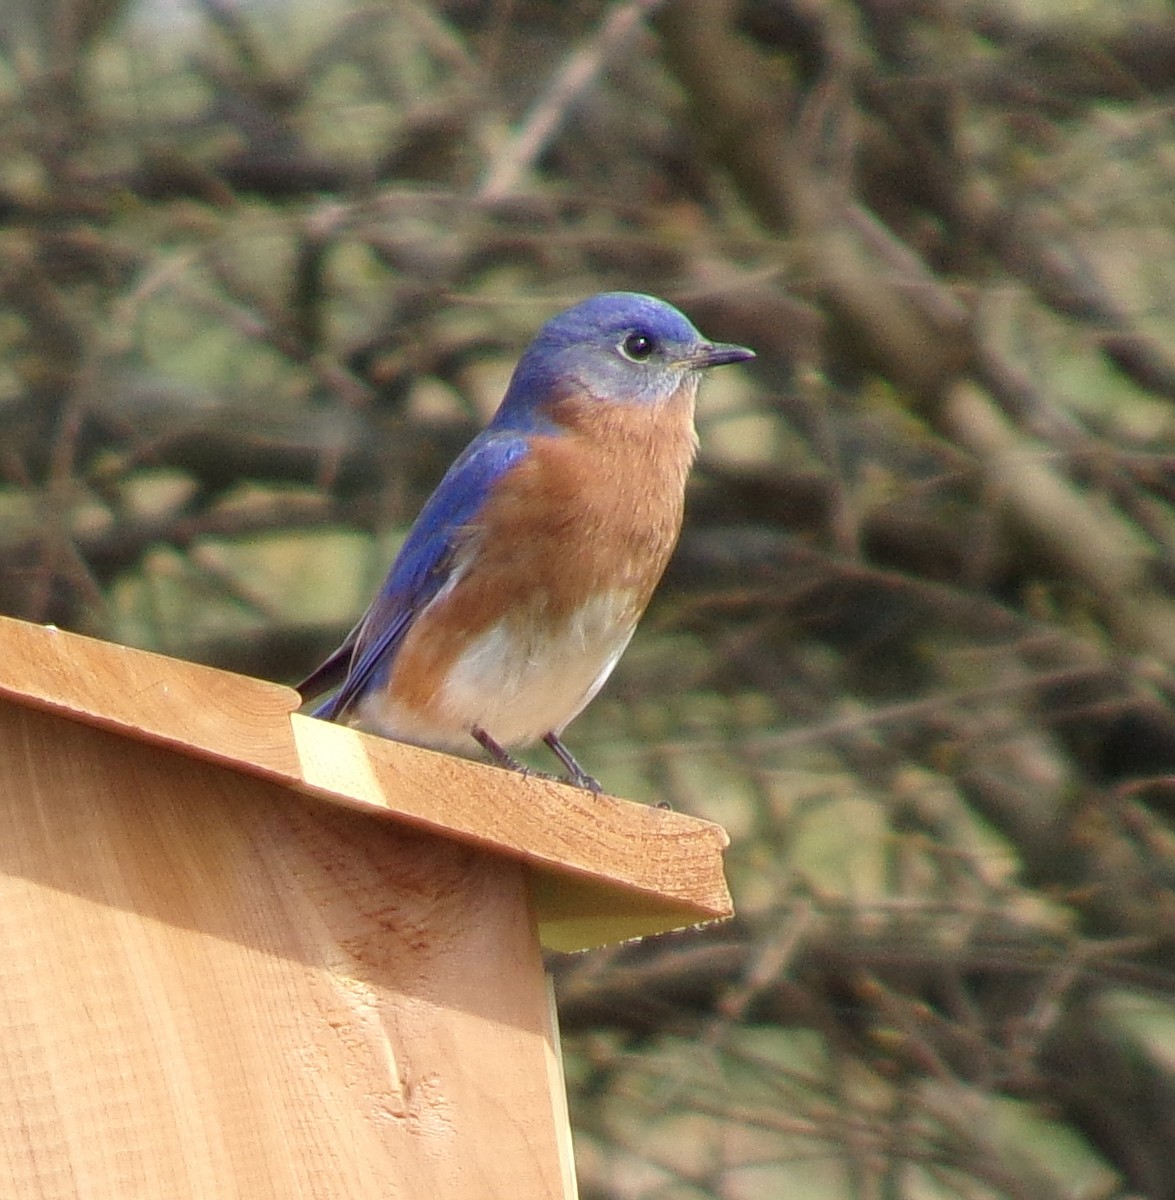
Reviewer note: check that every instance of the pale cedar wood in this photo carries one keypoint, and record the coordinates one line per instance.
(212, 986)
(251, 953)
(602, 868)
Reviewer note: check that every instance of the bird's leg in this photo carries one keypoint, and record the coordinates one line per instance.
(498, 753)
(504, 758)
(575, 773)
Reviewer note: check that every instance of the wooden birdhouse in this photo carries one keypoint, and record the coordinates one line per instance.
(246, 953)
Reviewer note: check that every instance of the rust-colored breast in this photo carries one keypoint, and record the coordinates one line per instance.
(593, 509)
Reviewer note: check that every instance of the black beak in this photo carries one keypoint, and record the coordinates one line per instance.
(717, 354)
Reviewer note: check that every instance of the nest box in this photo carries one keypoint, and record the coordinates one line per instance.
(246, 953)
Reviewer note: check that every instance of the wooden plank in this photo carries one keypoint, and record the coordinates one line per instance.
(607, 869)
(196, 709)
(212, 987)
(603, 869)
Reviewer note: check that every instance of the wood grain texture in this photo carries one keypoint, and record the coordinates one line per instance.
(210, 987)
(605, 869)
(196, 709)
(601, 869)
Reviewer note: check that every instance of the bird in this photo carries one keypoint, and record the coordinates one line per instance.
(520, 584)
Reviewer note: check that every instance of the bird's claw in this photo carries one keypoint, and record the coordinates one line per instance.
(581, 779)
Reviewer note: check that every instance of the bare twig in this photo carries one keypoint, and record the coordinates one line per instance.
(574, 77)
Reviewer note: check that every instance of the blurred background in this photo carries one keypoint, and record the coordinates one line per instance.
(265, 268)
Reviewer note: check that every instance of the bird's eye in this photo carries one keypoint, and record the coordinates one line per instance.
(638, 347)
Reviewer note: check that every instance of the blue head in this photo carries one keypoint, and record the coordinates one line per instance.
(617, 347)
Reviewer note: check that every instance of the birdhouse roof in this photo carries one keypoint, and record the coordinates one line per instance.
(602, 869)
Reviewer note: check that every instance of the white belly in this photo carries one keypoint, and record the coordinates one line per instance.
(515, 682)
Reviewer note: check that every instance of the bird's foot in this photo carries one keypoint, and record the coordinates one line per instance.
(503, 758)
(576, 775)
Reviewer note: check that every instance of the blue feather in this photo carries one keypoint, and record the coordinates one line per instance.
(420, 570)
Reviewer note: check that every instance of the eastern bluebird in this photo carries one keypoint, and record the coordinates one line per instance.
(523, 578)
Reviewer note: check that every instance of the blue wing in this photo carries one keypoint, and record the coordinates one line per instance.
(418, 573)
